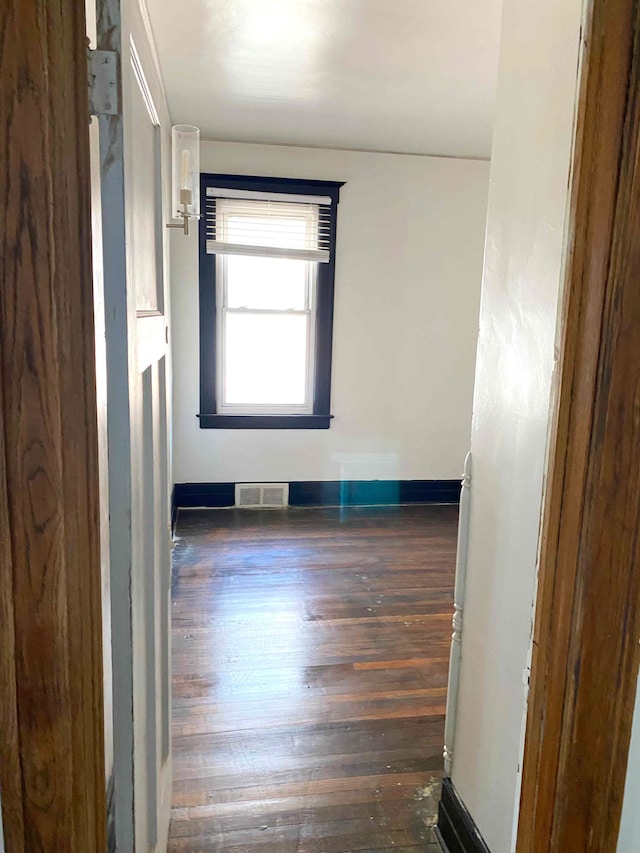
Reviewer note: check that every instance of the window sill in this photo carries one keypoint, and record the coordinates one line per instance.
(265, 421)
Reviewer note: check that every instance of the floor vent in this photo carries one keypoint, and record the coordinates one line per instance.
(271, 495)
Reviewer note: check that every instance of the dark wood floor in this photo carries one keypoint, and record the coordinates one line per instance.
(310, 653)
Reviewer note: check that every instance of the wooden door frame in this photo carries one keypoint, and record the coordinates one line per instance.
(585, 653)
(585, 645)
(51, 708)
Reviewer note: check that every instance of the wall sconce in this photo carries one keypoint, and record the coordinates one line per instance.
(185, 176)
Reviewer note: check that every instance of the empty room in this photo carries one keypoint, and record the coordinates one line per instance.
(319, 426)
(324, 328)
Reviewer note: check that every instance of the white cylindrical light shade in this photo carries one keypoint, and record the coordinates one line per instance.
(185, 145)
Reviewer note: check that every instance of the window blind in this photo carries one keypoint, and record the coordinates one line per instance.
(282, 225)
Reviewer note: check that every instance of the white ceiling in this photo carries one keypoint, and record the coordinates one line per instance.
(383, 75)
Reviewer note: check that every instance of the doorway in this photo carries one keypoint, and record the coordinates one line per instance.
(75, 805)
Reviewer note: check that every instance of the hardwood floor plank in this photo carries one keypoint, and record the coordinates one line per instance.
(193, 793)
(310, 655)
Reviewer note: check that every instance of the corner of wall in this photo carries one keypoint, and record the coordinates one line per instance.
(521, 291)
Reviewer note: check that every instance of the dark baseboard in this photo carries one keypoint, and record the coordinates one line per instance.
(203, 494)
(111, 816)
(455, 826)
(326, 493)
(174, 510)
(372, 492)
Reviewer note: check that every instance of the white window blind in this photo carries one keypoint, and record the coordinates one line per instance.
(275, 225)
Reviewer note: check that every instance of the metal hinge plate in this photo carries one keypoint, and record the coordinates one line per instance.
(103, 83)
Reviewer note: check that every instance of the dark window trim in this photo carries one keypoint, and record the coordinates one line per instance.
(321, 417)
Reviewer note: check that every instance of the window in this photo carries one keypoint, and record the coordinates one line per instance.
(267, 259)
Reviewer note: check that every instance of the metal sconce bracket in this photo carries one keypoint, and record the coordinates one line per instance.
(185, 201)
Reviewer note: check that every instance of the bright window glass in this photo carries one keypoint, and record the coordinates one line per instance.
(278, 284)
(266, 335)
(265, 359)
(266, 316)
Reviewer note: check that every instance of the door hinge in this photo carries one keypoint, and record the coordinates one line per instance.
(103, 83)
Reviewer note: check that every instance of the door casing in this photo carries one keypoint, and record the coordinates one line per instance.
(587, 628)
(51, 707)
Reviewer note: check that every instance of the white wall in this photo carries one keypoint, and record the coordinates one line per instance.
(409, 260)
(533, 134)
(629, 838)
